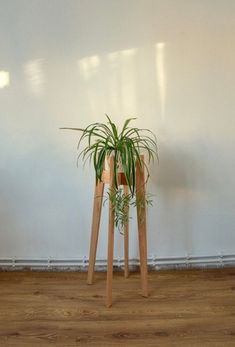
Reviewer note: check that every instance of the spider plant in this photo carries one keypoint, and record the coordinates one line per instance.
(126, 146)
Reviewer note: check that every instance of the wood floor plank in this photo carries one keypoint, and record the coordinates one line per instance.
(185, 308)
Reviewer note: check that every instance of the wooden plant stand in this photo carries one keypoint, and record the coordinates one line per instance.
(108, 178)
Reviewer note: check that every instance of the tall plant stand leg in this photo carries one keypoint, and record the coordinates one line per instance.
(108, 178)
(141, 218)
(126, 237)
(109, 283)
(98, 198)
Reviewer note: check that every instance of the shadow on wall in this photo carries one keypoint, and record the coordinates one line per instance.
(176, 183)
(10, 214)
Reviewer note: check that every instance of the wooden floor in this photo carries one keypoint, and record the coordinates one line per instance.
(185, 308)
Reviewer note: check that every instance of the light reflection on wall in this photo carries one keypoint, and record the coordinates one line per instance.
(4, 79)
(35, 75)
(88, 69)
(88, 66)
(120, 94)
(114, 84)
(128, 81)
(161, 75)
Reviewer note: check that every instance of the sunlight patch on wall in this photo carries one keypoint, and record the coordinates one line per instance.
(128, 81)
(113, 82)
(35, 76)
(110, 82)
(4, 79)
(128, 52)
(88, 66)
(161, 75)
(113, 58)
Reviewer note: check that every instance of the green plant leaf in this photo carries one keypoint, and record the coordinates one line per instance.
(103, 140)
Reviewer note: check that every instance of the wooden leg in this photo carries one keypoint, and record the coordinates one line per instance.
(141, 217)
(98, 198)
(126, 238)
(110, 242)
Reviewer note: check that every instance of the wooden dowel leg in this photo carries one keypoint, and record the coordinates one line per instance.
(126, 238)
(141, 217)
(98, 198)
(110, 242)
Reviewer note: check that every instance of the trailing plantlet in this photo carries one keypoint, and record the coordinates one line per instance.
(121, 202)
(126, 147)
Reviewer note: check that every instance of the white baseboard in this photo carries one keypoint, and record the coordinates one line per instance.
(81, 264)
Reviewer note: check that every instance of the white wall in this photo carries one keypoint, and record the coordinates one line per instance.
(171, 64)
